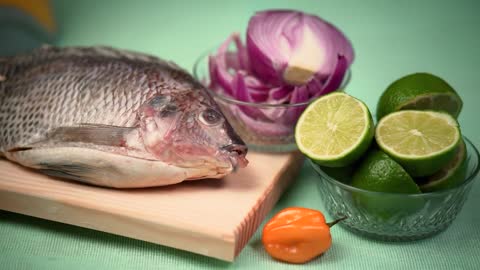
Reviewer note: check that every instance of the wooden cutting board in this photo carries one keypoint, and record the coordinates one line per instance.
(212, 217)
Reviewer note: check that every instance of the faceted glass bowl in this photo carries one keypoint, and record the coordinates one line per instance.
(259, 134)
(396, 217)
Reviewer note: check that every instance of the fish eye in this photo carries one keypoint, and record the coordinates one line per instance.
(210, 117)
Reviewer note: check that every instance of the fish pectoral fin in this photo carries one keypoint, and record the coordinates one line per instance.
(92, 133)
(82, 133)
(72, 171)
(18, 149)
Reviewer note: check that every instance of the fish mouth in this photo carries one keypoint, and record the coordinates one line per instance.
(236, 154)
(237, 161)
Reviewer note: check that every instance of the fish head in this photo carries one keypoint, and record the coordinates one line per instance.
(189, 130)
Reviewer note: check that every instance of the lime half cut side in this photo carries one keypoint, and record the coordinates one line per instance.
(335, 130)
(448, 102)
(451, 175)
(421, 141)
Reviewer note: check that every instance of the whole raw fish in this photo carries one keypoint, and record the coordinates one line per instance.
(112, 118)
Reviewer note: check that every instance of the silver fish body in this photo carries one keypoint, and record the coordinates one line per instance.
(112, 118)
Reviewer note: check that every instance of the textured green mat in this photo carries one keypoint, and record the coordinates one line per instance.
(391, 39)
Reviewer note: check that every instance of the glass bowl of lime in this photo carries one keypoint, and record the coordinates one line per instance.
(264, 126)
(397, 216)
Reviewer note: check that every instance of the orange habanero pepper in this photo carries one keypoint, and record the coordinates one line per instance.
(297, 235)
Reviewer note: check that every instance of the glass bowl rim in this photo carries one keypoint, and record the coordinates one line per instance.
(228, 99)
(470, 178)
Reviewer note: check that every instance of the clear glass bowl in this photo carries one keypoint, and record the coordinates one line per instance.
(259, 134)
(396, 217)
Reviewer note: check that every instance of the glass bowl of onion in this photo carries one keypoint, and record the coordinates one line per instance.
(263, 86)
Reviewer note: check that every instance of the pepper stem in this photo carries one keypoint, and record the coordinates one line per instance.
(330, 224)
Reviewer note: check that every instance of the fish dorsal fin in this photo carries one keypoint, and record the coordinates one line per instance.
(51, 53)
(98, 51)
(109, 52)
(91, 133)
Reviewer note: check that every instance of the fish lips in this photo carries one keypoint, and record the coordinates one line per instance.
(238, 161)
(236, 154)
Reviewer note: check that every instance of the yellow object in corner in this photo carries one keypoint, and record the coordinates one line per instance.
(26, 25)
(40, 10)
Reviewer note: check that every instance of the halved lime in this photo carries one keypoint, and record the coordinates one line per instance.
(419, 91)
(421, 141)
(335, 130)
(449, 176)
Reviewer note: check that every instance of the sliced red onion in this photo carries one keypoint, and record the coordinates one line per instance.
(241, 93)
(212, 72)
(266, 128)
(232, 61)
(336, 78)
(258, 96)
(221, 65)
(340, 42)
(291, 47)
(241, 52)
(254, 83)
(237, 59)
(254, 89)
(280, 95)
(314, 86)
(289, 58)
(299, 95)
(219, 74)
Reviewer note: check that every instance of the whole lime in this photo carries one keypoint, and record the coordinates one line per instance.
(391, 186)
(419, 91)
(379, 172)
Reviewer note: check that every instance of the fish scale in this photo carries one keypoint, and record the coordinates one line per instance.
(81, 107)
(96, 82)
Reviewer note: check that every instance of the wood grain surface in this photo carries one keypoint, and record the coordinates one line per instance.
(212, 217)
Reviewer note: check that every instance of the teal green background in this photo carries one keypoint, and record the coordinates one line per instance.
(390, 38)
